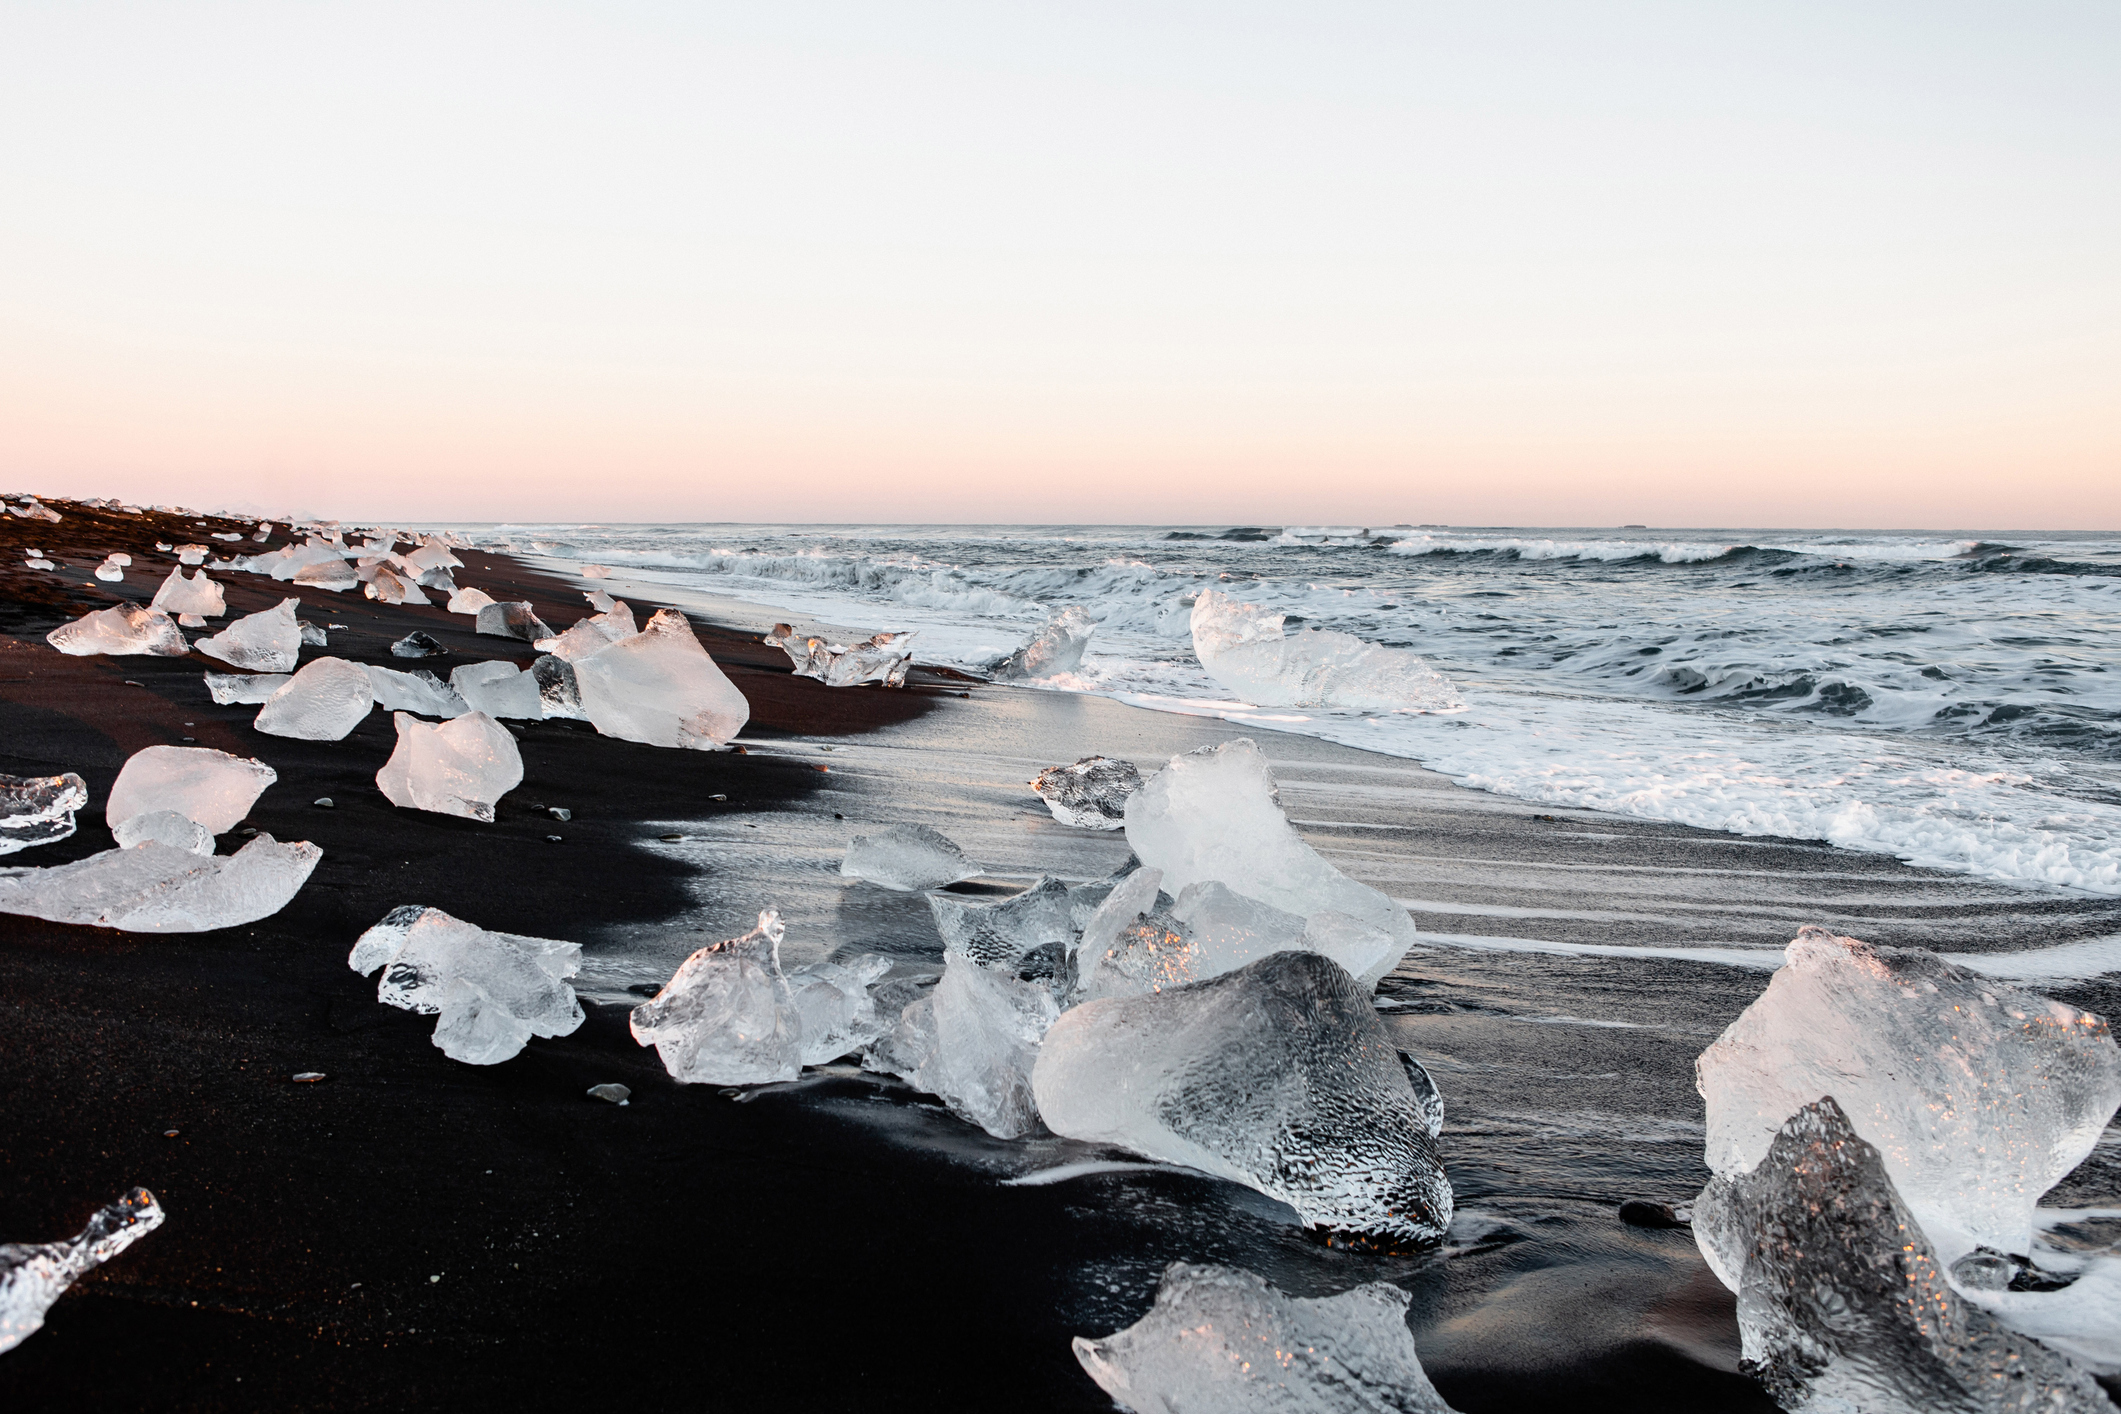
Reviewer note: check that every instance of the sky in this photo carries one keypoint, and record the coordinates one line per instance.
(1682, 264)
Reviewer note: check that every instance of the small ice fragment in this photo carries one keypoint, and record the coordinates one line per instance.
(33, 1275)
(491, 992)
(417, 691)
(560, 813)
(119, 630)
(322, 802)
(1000, 934)
(462, 767)
(498, 688)
(469, 601)
(118, 557)
(269, 641)
(611, 1094)
(416, 645)
(660, 687)
(164, 827)
(431, 556)
(306, 1077)
(263, 533)
(600, 601)
(727, 1016)
(387, 587)
(1091, 794)
(38, 810)
(229, 689)
(1223, 1339)
(38, 562)
(512, 620)
(595, 572)
(196, 595)
(191, 621)
(323, 702)
(211, 787)
(153, 888)
(333, 574)
(1056, 648)
(110, 572)
(907, 858)
(972, 1043)
(191, 554)
(590, 634)
(559, 695)
(882, 657)
(1243, 648)
(312, 636)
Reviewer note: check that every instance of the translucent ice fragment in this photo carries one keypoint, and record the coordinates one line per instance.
(196, 595)
(998, 935)
(469, 601)
(289, 561)
(211, 787)
(228, 689)
(838, 1012)
(596, 572)
(590, 634)
(164, 827)
(323, 702)
(416, 645)
(119, 558)
(153, 888)
(1209, 930)
(972, 1043)
(33, 1275)
(431, 554)
(727, 1016)
(38, 809)
(1223, 1339)
(907, 858)
(1056, 648)
(499, 689)
(120, 629)
(312, 635)
(1244, 649)
(191, 554)
(269, 641)
(1278, 1075)
(660, 687)
(333, 574)
(559, 695)
(1091, 794)
(417, 691)
(38, 562)
(462, 767)
(489, 992)
(385, 586)
(110, 572)
(600, 601)
(512, 620)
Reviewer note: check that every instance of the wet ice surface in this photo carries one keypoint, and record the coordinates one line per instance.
(266, 642)
(323, 702)
(460, 767)
(159, 888)
(489, 992)
(38, 810)
(33, 1275)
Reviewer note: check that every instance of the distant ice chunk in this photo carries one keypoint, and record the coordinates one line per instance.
(595, 572)
(469, 601)
(323, 702)
(269, 641)
(430, 555)
(497, 688)
(490, 992)
(164, 827)
(33, 1275)
(972, 1043)
(1278, 1075)
(196, 595)
(192, 554)
(1056, 648)
(333, 574)
(211, 787)
(882, 657)
(907, 858)
(154, 888)
(229, 689)
(600, 601)
(1223, 1339)
(385, 586)
(38, 810)
(660, 687)
(512, 620)
(119, 630)
(417, 691)
(416, 645)
(462, 767)
(590, 634)
(1091, 794)
(110, 571)
(999, 935)
(38, 562)
(1244, 649)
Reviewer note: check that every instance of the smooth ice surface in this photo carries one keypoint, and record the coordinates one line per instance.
(38, 809)
(591, 634)
(1244, 649)
(1000, 934)
(196, 595)
(515, 619)
(228, 689)
(1091, 794)
(1214, 814)
(499, 689)
(1278, 1075)
(907, 858)
(209, 786)
(154, 888)
(1209, 930)
(1843, 1303)
(971, 1043)
(417, 691)
(192, 554)
(469, 601)
(461, 767)
(660, 687)
(1978, 1096)
(1223, 1339)
(269, 641)
(33, 1275)
(118, 630)
(110, 572)
(838, 1011)
(164, 827)
(323, 702)
(489, 992)
(1057, 647)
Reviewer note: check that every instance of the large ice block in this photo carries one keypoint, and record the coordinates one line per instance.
(660, 687)
(1243, 648)
(155, 888)
(907, 858)
(323, 702)
(38, 809)
(727, 1016)
(516, 619)
(1214, 814)
(1278, 1075)
(590, 634)
(489, 992)
(120, 629)
(229, 689)
(269, 641)
(431, 554)
(1057, 647)
(33, 1275)
(1091, 794)
(211, 787)
(417, 691)
(499, 689)
(1000, 934)
(971, 1043)
(1224, 1340)
(196, 595)
(461, 767)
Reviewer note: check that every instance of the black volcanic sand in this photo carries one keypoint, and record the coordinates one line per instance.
(416, 1231)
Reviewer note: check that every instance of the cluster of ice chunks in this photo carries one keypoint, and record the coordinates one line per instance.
(467, 600)
(33, 1275)
(183, 796)
(882, 657)
(417, 691)
(38, 809)
(1057, 647)
(323, 702)
(193, 600)
(119, 630)
(490, 992)
(516, 619)
(461, 767)
(269, 641)
(156, 888)
(1091, 794)
(1223, 1339)
(1243, 648)
(1279, 1076)
(497, 688)
(907, 858)
(228, 689)
(659, 687)
(972, 1043)
(590, 634)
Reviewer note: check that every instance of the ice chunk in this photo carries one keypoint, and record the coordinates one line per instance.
(1213, 814)
(289, 561)
(1091, 794)
(431, 554)
(462, 767)
(590, 634)
(497, 688)
(38, 809)
(1842, 1301)
(209, 786)
(1222, 1339)
(33, 1275)
(153, 888)
(838, 1011)
(660, 687)
(119, 558)
(1209, 930)
(882, 657)
(600, 601)
(513, 620)
(907, 858)
(386, 587)
(323, 702)
(416, 645)
(596, 572)
(33, 509)
(232, 688)
(727, 1016)
(164, 827)
(38, 562)
(1056, 648)
(1278, 1075)
(110, 571)
(999, 935)
(119, 630)
(469, 601)
(333, 574)
(559, 695)
(192, 554)
(196, 595)
(312, 636)
(1979, 1096)
(972, 1043)
(269, 641)
(417, 691)
(490, 992)
(1243, 648)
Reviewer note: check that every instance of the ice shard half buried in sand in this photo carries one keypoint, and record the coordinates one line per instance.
(907, 858)
(660, 687)
(489, 992)
(156, 888)
(33, 1275)
(1091, 794)
(119, 630)
(1243, 648)
(461, 767)
(269, 641)
(38, 809)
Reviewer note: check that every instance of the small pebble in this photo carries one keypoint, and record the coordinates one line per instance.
(187, 738)
(552, 839)
(169, 1134)
(323, 801)
(718, 797)
(616, 1094)
(308, 1077)
(435, 1278)
(560, 812)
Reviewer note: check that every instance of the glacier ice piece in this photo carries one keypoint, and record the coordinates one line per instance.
(591, 633)
(1978, 1096)
(1214, 814)
(431, 554)
(516, 619)
(312, 635)
(600, 601)
(192, 554)
(154, 888)
(209, 786)
(33, 1275)
(1208, 930)
(727, 1016)
(164, 827)
(417, 691)
(660, 687)
(38, 809)
(269, 641)
(1223, 1339)
(998, 935)
(611, 1094)
(559, 695)
(38, 562)
(110, 571)
(882, 657)
(596, 572)
(837, 1007)
(385, 586)
(119, 558)
(1243, 647)
(971, 1043)
(416, 645)
(469, 601)
(907, 858)
(489, 992)
(333, 574)
(121, 629)
(461, 767)
(1057, 647)
(497, 688)
(1091, 794)
(1278, 1075)
(1843, 1302)
(323, 702)
(196, 595)
(288, 562)
(228, 689)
